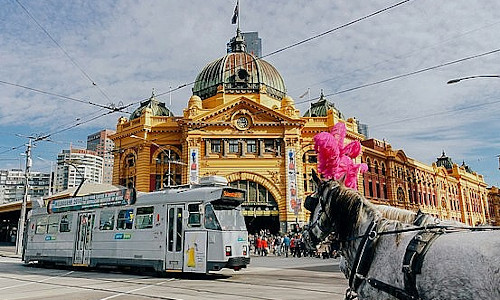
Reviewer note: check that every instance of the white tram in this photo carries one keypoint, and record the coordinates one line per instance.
(196, 228)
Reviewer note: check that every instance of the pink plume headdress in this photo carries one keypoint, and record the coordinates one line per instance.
(336, 160)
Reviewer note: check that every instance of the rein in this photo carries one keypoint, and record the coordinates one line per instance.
(375, 234)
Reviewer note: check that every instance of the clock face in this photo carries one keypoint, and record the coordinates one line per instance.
(242, 122)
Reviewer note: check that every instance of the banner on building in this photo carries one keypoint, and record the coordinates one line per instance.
(294, 202)
(194, 165)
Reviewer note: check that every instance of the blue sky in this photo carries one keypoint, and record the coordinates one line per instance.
(127, 48)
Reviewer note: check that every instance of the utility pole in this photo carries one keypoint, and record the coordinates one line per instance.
(22, 219)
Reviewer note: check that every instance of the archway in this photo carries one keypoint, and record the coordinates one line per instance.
(260, 208)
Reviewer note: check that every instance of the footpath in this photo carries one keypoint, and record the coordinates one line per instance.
(8, 250)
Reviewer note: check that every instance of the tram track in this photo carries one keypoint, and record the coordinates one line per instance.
(286, 286)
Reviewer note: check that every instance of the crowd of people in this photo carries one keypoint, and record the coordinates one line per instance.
(263, 243)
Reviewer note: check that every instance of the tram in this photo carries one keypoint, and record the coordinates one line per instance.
(196, 228)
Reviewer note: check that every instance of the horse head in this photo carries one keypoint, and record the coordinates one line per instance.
(320, 222)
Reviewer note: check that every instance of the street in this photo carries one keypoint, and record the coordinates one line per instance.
(266, 278)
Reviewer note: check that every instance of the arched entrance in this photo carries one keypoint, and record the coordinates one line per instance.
(260, 208)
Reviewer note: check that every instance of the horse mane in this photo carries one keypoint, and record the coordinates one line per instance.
(350, 208)
(398, 214)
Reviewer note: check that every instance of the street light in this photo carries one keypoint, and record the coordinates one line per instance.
(169, 161)
(456, 80)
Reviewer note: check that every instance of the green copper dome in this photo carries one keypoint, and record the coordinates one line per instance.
(321, 107)
(239, 72)
(158, 108)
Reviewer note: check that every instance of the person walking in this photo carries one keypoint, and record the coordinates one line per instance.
(286, 244)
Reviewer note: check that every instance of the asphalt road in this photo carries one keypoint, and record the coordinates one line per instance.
(265, 278)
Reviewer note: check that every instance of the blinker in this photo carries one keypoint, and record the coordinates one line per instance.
(311, 203)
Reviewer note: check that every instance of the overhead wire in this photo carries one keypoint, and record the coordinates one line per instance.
(405, 75)
(55, 95)
(75, 63)
(293, 45)
(409, 54)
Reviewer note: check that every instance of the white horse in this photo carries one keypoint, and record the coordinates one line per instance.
(395, 260)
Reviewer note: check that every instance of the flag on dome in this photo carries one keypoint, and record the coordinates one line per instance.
(235, 15)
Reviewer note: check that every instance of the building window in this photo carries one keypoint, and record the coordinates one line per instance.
(234, 146)
(215, 145)
(370, 188)
(383, 169)
(377, 185)
(269, 146)
(130, 160)
(251, 146)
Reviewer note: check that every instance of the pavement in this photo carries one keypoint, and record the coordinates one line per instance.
(8, 250)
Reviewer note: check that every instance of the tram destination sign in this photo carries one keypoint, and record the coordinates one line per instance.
(114, 198)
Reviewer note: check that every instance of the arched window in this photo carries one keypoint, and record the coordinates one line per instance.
(368, 163)
(127, 176)
(168, 169)
(257, 194)
(400, 194)
(375, 163)
(383, 169)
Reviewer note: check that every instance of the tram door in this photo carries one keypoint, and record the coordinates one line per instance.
(174, 254)
(84, 238)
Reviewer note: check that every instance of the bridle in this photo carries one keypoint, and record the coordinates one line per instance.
(323, 225)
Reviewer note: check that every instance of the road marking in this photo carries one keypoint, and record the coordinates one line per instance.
(39, 281)
(135, 290)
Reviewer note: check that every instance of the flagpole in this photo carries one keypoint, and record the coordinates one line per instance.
(238, 6)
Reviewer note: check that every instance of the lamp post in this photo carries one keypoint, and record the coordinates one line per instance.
(456, 80)
(168, 154)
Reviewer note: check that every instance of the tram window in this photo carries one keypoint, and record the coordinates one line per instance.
(125, 219)
(65, 225)
(107, 220)
(194, 215)
(178, 242)
(53, 224)
(170, 229)
(144, 217)
(41, 225)
(210, 218)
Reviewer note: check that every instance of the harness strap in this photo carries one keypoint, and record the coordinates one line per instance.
(414, 258)
(391, 290)
(363, 258)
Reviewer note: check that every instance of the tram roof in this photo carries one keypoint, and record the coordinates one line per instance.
(181, 194)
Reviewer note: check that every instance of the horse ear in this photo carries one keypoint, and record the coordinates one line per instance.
(315, 177)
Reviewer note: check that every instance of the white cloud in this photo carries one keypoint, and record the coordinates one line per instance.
(130, 47)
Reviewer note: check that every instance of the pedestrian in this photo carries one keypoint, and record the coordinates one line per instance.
(258, 245)
(265, 247)
(286, 245)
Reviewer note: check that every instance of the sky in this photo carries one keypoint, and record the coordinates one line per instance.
(62, 62)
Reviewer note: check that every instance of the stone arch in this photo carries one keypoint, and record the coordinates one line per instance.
(125, 154)
(269, 185)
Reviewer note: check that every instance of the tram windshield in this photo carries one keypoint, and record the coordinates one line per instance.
(224, 217)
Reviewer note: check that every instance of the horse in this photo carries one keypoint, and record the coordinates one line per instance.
(399, 260)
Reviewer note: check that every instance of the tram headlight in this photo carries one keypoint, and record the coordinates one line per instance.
(228, 250)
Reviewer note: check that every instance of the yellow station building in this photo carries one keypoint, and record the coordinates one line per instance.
(241, 124)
